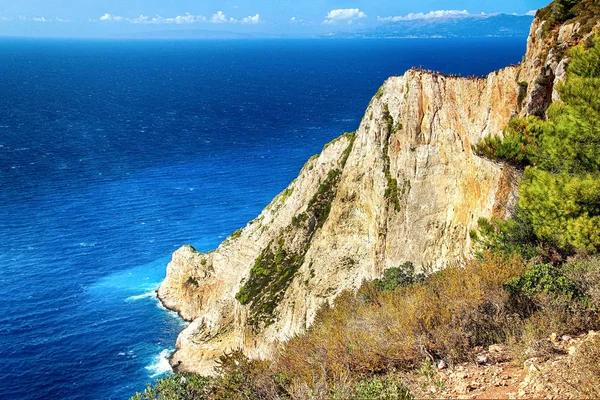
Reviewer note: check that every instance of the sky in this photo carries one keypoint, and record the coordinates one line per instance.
(109, 18)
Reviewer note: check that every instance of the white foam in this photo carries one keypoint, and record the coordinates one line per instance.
(146, 295)
(160, 364)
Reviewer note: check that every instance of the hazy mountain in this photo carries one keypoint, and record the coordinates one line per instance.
(499, 25)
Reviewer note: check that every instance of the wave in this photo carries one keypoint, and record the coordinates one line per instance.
(146, 295)
(160, 364)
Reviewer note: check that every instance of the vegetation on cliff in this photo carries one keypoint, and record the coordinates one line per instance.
(559, 12)
(277, 264)
(560, 193)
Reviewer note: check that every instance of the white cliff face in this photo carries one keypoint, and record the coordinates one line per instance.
(405, 187)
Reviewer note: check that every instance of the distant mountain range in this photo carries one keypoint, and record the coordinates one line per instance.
(454, 26)
(497, 25)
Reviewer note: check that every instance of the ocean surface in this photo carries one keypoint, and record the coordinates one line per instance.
(115, 153)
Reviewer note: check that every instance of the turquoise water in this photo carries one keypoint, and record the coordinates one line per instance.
(115, 153)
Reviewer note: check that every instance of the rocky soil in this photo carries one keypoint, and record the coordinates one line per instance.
(500, 373)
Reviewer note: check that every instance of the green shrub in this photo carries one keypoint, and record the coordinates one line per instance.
(267, 282)
(392, 191)
(385, 387)
(513, 236)
(275, 267)
(518, 145)
(176, 387)
(396, 277)
(544, 278)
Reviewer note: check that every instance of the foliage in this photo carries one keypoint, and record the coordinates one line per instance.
(355, 346)
(320, 204)
(564, 209)
(561, 11)
(233, 236)
(446, 315)
(381, 388)
(176, 387)
(396, 277)
(560, 192)
(276, 266)
(268, 280)
(543, 278)
(518, 144)
(583, 370)
(237, 378)
(351, 137)
(513, 236)
(392, 191)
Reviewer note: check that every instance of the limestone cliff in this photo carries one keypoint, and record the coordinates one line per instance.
(405, 186)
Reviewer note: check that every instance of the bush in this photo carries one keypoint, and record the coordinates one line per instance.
(514, 236)
(381, 388)
(544, 278)
(518, 145)
(175, 387)
(583, 372)
(356, 345)
(445, 316)
(396, 277)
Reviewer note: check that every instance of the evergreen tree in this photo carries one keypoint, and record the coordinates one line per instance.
(561, 193)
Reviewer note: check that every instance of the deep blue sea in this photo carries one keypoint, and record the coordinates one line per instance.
(115, 153)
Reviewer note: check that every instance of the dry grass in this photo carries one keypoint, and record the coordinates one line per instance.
(583, 371)
(371, 332)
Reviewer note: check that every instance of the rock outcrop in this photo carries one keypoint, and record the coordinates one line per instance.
(405, 186)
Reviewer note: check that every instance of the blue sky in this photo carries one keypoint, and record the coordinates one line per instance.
(117, 17)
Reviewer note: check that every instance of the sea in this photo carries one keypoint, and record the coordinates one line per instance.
(113, 153)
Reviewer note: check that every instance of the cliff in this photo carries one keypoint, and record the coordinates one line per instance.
(405, 186)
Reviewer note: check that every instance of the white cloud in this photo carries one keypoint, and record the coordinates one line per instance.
(39, 19)
(531, 12)
(217, 18)
(221, 18)
(158, 20)
(108, 17)
(252, 19)
(344, 15)
(429, 15)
